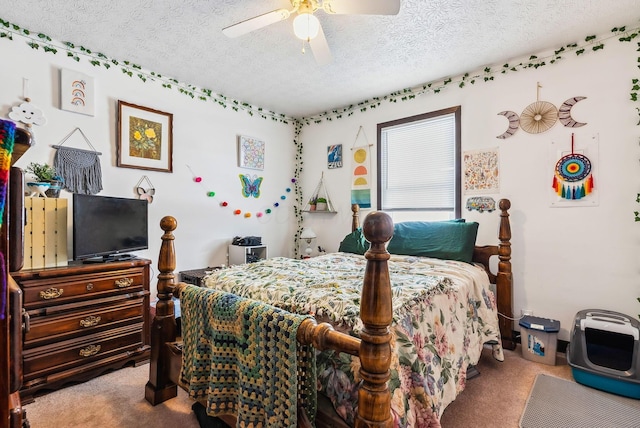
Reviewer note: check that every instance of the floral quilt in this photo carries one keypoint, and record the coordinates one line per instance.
(444, 313)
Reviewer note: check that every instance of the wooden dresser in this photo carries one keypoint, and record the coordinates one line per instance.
(84, 319)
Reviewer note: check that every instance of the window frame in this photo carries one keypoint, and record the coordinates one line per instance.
(457, 112)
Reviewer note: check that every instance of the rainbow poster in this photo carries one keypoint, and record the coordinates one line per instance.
(361, 177)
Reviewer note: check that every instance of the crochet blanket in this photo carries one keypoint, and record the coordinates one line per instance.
(241, 356)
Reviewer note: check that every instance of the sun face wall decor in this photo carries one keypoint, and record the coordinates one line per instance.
(540, 116)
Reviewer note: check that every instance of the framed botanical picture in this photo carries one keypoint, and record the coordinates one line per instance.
(145, 138)
(334, 156)
(250, 153)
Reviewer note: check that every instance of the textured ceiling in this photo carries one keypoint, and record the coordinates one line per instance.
(372, 55)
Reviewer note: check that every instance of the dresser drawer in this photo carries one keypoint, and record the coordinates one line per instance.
(56, 291)
(47, 329)
(45, 360)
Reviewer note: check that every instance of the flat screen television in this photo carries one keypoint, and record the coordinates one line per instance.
(108, 228)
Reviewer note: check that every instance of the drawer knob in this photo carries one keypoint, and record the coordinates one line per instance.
(51, 293)
(89, 321)
(124, 282)
(90, 350)
(89, 286)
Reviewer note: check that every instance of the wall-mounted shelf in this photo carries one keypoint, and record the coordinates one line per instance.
(319, 201)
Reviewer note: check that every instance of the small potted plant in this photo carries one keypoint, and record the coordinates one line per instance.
(47, 182)
(321, 204)
(312, 203)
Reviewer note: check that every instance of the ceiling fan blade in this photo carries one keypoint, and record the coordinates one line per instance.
(320, 48)
(255, 23)
(362, 7)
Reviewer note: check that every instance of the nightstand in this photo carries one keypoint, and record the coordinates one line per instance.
(240, 254)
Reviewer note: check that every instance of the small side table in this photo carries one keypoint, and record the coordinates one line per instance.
(195, 276)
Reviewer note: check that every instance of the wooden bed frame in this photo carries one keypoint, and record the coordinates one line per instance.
(373, 348)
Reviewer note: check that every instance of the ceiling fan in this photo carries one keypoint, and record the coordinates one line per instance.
(307, 27)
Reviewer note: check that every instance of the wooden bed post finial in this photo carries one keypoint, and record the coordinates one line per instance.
(163, 328)
(355, 217)
(376, 312)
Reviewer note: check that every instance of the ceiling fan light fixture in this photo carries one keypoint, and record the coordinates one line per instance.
(306, 26)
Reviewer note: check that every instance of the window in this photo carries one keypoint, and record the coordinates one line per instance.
(419, 166)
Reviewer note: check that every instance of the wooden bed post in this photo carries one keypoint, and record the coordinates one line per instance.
(504, 278)
(355, 217)
(163, 329)
(374, 398)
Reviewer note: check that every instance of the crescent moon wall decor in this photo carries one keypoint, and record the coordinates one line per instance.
(514, 124)
(564, 113)
(540, 116)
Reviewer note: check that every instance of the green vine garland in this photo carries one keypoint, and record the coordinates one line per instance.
(591, 44)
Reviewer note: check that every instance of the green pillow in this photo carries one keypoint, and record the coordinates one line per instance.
(354, 243)
(448, 240)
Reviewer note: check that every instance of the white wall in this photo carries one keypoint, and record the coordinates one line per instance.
(564, 259)
(204, 139)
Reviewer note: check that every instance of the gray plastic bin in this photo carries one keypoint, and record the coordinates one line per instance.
(539, 339)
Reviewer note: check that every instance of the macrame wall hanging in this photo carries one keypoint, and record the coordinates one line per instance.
(573, 178)
(147, 193)
(80, 169)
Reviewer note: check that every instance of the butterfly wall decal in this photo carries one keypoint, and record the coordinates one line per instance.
(250, 185)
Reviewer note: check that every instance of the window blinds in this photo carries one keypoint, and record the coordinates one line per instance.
(418, 165)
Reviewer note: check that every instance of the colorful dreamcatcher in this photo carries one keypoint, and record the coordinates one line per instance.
(573, 178)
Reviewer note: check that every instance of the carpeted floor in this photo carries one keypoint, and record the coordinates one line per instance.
(113, 400)
(495, 398)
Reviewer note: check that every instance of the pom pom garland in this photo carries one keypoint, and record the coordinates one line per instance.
(212, 194)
